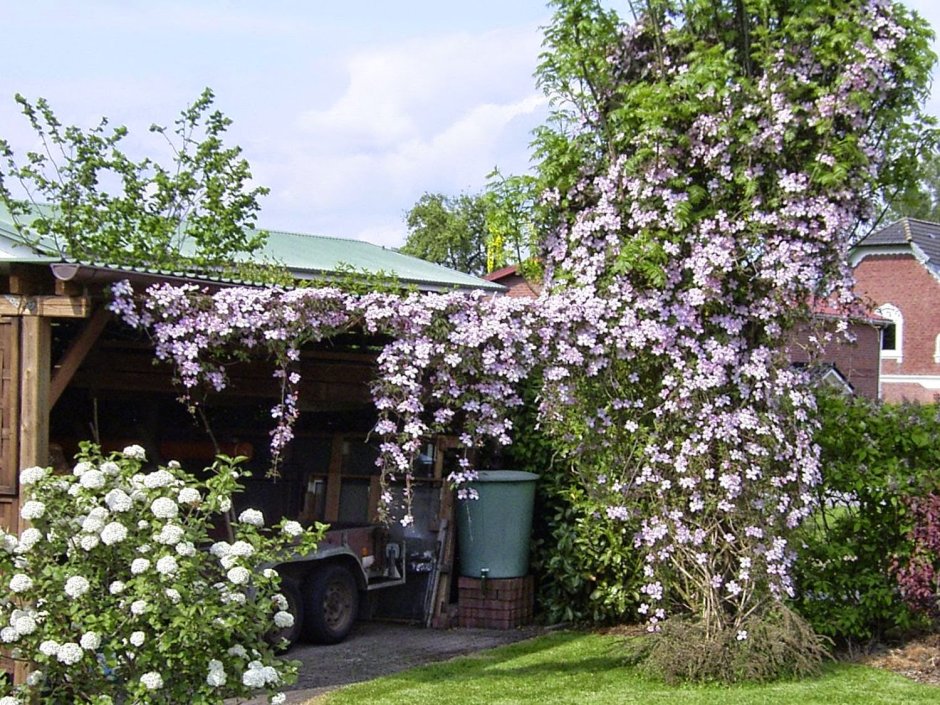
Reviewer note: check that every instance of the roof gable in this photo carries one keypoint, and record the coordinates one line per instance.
(920, 238)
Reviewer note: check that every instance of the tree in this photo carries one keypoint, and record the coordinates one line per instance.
(448, 230)
(921, 197)
(82, 197)
(708, 163)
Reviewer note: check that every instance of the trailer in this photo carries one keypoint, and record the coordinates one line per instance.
(323, 589)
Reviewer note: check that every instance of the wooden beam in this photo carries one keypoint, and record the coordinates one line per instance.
(76, 353)
(36, 363)
(45, 306)
(334, 481)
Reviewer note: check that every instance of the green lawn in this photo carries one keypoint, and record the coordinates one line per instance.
(587, 669)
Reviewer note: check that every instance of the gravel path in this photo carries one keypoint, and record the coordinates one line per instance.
(377, 649)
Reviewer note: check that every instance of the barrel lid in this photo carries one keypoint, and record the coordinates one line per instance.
(505, 476)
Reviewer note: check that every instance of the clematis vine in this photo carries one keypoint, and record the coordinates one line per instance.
(716, 198)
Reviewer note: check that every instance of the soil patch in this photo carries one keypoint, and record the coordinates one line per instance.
(917, 659)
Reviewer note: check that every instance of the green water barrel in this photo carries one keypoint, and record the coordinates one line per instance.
(493, 530)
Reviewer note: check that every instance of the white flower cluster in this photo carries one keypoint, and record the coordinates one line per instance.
(118, 500)
(167, 566)
(21, 623)
(30, 476)
(292, 528)
(252, 517)
(134, 452)
(32, 509)
(258, 675)
(113, 533)
(216, 677)
(76, 586)
(151, 680)
(90, 641)
(164, 508)
(160, 478)
(189, 495)
(283, 620)
(20, 583)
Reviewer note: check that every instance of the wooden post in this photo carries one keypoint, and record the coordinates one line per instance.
(35, 370)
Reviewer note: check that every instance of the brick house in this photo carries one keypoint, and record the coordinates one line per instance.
(897, 273)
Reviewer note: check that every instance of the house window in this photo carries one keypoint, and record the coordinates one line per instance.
(892, 335)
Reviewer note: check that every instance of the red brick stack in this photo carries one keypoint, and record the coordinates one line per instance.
(499, 603)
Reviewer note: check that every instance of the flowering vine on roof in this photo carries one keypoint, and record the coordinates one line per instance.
(722, 196)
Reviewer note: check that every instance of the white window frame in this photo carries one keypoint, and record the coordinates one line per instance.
(893, 314)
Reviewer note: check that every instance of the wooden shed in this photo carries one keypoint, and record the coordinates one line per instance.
(70, 372)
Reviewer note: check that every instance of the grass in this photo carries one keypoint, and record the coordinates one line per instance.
(588, 669)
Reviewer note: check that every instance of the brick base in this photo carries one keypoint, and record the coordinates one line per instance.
(501, 603)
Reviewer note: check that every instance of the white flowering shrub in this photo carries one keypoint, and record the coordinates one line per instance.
(116, 593)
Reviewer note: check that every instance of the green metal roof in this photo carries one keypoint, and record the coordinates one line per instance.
(305, 256)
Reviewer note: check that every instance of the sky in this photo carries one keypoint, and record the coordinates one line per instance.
(347, 111)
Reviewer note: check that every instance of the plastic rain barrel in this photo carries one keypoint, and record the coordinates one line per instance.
(493, 530)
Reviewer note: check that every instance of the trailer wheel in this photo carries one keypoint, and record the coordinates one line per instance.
(331, 603)
(295, 606)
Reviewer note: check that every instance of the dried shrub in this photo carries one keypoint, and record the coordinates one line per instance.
(774, 645)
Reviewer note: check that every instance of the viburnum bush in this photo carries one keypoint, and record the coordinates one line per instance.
(115, 593)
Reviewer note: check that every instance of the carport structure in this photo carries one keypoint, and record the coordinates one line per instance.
(70, 372)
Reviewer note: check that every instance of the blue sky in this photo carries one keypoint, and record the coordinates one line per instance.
(348, 111)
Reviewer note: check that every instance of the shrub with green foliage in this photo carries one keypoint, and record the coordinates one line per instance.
(874, 458)
(114, 595)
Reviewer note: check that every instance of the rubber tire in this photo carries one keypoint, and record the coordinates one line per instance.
(331, 604)
(295, 605)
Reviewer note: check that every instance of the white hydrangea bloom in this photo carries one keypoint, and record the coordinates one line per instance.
(238, 575)
(139, 565)
(49, 647)
(186, 548)
(134, 452)
(173, 595)
(160, 478)
(113, 533)
(283, 620)
(189, 495)
(278, 699)
(92, 524)
(228, 561)
(32, 509)
(9, 635)
(76, 586)
(167, 565)
(242, 548)
(269, 573)
(144, 548)
(225, 504)
(280, 602)
(8, 542)
(170, 535)
(174, 465)
(29, 538)
(109, 467)
(143, 524)
(164, 508)
(30, 476)
(81, 468)
(90, 641)
(74, 490)
(21, 583)
(152, 680)
(69, 653)
(24, 624)
(117, 587)
(138, 638)
(138, 607)
(216, 677)
(220, 549)
(253, 678)
(9, 700)
(252, 517)
(93, 480)
(118, 500)
(33, 679)
(89, 541)
(238, 651)
(292, 528)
